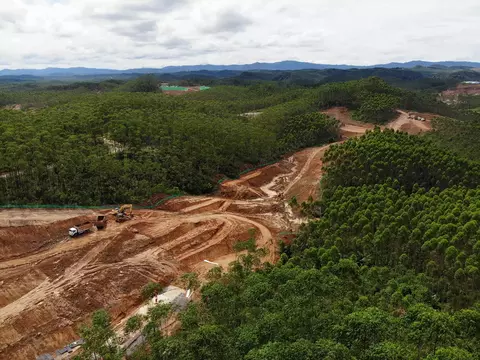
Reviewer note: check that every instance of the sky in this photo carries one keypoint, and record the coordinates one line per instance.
(123, 34)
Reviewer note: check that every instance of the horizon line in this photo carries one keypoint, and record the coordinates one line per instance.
(242, 64)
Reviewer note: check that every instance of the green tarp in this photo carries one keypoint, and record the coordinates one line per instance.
(174, 88)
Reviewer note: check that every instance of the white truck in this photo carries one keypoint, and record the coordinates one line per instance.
(89, 226)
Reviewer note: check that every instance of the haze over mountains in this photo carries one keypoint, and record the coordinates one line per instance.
(282, 65)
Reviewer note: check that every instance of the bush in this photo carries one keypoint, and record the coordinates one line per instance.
(151, 289)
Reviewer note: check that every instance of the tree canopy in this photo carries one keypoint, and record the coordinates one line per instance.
(388, 270)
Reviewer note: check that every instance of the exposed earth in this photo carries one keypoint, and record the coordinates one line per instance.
(17, 107)
(463, 89)
(50, 284)
(452, 96)
(405, 121)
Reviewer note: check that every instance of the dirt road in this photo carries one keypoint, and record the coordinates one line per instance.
(403, 122)
(50, 284)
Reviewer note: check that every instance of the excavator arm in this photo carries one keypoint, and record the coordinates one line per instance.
(124, 208)
(124, 213)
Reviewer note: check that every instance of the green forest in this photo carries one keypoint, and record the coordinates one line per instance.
(389, 271)
(386, 268)
(88, 147)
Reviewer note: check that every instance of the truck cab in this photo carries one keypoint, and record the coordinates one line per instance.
(72, 232)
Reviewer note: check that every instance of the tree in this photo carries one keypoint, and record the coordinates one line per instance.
(210, 342)
(150, 290)
(190, 281)
(133, 324)
(430, 328)
(293, 202)
(390, 351)
(155, 318)
(365, 328)
(451, 353)
(214, 273)
(100, 339)
(144, 83)
(301, 350)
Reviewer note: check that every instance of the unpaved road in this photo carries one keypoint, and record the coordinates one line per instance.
(50, 284)
(406, 124)
(403, 123)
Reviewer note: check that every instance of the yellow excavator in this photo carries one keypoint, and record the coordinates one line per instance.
(123, 213)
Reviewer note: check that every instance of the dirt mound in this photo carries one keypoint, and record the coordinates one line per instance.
(340, 113)
(251, 209)
(255, 184)
(240, 192)
(181, 203)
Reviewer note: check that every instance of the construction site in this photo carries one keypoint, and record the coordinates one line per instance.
(58, 266)
(453, 96)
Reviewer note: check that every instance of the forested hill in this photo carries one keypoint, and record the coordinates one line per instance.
(281, 65)
(418, 78)
(389, 271)
(104, 148)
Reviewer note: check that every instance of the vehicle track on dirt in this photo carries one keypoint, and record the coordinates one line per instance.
(306, 167)
(48, 287)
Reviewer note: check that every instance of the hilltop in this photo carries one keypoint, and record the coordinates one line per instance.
(287, 65)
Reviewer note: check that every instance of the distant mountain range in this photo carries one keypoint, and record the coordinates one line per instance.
(282, 66)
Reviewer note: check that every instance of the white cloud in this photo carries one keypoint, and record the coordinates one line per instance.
(155, 33)
(228, 21)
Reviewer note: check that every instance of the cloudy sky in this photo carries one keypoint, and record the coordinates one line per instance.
(154, 33)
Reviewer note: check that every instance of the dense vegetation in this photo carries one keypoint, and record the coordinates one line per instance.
(404, 162)
(387, 268)
(433, 78)
(389, 271)
(461, 136)
(117, 147)
(92, 148)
